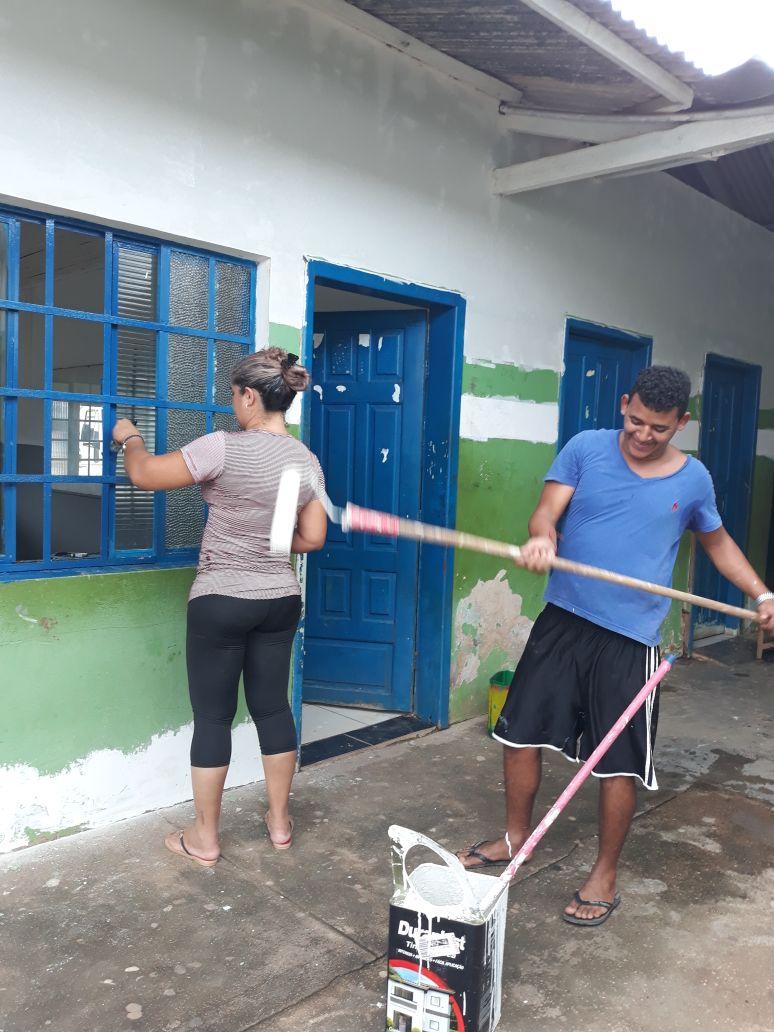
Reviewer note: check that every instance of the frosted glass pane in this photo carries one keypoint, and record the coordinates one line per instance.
(188, 289)
(224, 421)
(145, 421)
(183, 426)
(227, 354)
(134, 517)
(136, 372)
(185, 518)
(187, 368)
(79, 270)
(137, 283)
(232, 298)
(185, 508)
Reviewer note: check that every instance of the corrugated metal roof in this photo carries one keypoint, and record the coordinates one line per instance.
(512, 43)
(743, 181)
(555, 71)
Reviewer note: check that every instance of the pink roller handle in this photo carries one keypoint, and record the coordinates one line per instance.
(586, 769)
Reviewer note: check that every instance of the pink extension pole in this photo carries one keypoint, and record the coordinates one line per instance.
(528, 847)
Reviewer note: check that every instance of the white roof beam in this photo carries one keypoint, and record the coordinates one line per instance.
(581, 26)
(685, 144)
(568, 125)
(434, 59)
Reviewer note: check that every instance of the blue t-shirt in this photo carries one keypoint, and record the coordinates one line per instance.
(626, 523)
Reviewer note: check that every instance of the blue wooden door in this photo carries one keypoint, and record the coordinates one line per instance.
(366, 428)
(600, 365)
(729, 420)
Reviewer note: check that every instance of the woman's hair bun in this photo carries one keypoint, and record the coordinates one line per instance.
(275, 374)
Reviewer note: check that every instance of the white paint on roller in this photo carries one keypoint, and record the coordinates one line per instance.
(293, 414)
(509, 419)
(318, 390)
(765, 447)
(396, 393)
(109, 785)
(364, 340)
(317, 339)
(340, 388)
(285, 512)
(385, 453)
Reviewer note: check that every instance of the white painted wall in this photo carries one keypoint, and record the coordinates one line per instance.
(262, 128)
(265, 128)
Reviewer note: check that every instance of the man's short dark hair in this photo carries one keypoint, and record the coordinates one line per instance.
(663, 388)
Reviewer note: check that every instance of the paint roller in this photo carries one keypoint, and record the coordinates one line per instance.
(370, 521)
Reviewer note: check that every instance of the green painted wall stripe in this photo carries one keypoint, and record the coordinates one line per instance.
(284, 336)
(766, 419)
(104, 667)
(510, 381)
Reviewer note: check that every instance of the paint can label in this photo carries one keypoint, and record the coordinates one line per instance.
(444, 975)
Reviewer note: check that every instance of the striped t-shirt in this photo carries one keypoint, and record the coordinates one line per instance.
(239, 476)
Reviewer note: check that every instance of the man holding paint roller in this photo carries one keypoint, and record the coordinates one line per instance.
(624, 499)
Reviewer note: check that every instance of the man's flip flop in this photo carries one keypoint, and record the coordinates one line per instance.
(483, 860)
(285, 843)
(592, 922)
(185, 852)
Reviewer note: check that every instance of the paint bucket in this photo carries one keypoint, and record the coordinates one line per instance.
(445, 952)
(498, 690)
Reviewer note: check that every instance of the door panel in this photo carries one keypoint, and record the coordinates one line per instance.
(366, 428)
(729, 421)
(599, 366)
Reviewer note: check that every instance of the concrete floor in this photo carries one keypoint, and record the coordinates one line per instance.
(106, 931)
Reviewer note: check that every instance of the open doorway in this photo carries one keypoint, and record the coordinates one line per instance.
(376, 649)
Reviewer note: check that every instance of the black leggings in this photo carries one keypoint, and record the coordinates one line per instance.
(227, 637)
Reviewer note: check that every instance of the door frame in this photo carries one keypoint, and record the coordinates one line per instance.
(747, 444)
(599, 334)
(438, 474)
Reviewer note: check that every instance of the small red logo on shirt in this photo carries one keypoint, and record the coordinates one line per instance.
(675, 507)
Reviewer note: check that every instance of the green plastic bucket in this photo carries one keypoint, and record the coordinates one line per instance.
(499, 684)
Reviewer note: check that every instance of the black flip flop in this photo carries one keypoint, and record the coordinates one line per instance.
(484, 860)
(592, 922)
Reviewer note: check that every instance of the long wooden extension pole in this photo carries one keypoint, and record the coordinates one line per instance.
(369, 521)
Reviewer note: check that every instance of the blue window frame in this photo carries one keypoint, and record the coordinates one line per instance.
(96, 325)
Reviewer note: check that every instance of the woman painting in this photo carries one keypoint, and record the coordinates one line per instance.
(245, 603)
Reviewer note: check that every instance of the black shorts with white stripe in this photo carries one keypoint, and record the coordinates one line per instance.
(572, 683)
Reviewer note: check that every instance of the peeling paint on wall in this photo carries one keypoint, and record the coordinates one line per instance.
(489, 620)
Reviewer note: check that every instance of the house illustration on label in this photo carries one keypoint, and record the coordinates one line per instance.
(415, 1003)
